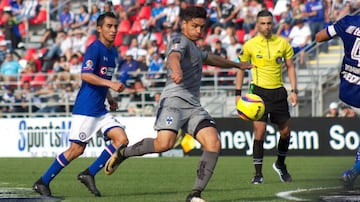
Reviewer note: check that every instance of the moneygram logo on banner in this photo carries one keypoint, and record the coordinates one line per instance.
(48, 137)
(309, 136)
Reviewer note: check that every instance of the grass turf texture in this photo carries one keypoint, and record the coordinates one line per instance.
(170, 179)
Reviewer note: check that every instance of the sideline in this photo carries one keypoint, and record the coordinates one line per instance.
(287, 194)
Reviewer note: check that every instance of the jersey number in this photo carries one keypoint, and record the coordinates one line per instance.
(355, 51)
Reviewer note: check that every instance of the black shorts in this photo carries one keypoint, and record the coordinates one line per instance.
(276, 104)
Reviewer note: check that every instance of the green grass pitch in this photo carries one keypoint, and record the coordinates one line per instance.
(169, 179)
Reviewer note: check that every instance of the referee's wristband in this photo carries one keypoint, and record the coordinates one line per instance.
(237, 92)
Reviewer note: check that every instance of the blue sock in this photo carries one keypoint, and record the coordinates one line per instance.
(59, 163)
(101, 160)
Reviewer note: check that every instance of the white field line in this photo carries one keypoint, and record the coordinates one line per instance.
(287, 194)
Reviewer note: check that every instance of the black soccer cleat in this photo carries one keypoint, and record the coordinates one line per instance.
(282, 172)
(348, 179)
(89, 181)
(41, 188)
(257, 179)
(115, 160)
(194, 196)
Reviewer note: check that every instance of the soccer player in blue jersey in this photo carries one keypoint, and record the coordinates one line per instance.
(348, 29)
(89, 113)
(179, 106)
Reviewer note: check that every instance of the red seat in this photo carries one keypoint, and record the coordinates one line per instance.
(3, 4)
(90, 39)
(22, 28)
(124, 26)
(159, 38)
(39, 80)
(118, 39)
(136, 28)
(39, 18)
(240, 34)
(144, 13)
(123, 49)
(30, 54)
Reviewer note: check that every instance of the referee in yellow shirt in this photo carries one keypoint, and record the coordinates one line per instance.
(268, 53)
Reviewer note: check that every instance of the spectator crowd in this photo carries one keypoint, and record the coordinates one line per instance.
(145, 28)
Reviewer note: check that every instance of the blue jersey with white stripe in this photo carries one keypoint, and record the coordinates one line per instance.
(102, 61)
(348, 29)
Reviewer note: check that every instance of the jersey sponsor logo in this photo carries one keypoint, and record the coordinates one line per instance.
(169, 120)
(103, 70)
(351, 78)
(89, 65)
(82, 136)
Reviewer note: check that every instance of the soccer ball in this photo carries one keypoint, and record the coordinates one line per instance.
(250, 107)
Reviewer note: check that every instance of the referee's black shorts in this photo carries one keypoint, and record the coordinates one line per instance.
(276, 104)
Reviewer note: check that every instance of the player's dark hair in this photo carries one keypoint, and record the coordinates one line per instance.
(194, 12)
(264, 13)
(100, 19)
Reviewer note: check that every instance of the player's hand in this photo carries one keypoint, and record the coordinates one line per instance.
(177, 77)
(245, 65)
(118, 86)
(113, 104)
(293, 99)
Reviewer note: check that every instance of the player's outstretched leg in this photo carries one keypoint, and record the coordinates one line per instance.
(89, 181)
(282, 172)
(41, 188)
(115, 160)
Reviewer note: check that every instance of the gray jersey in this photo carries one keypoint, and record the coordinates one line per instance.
(191, 66)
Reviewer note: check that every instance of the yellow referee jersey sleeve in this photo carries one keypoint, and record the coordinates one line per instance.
(268, 56)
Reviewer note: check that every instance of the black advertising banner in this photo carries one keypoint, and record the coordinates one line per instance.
(309, 136)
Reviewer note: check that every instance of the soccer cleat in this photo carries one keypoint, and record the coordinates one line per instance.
(89, 181)
(115, 160)
(348, 179)
(41, 188)
(194, 196)
(257, 179)
(282, 172)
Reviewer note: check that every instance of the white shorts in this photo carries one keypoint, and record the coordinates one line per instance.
(84, 127)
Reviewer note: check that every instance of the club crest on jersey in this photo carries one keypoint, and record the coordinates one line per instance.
(82, 136)
(169, 120)
(89, 64)
(103, 70)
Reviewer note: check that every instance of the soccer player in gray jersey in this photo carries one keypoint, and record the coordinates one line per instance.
(180, 107)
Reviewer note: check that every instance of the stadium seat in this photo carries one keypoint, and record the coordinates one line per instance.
(123, 49)
(159, 38)
(118, 39)
(39, 80)
(22, 28)
(90, 39)
(3, 4)
(39, 18)
(144, 13)
(240, 34)
(30, 54)
(124, 26)
(136, 27)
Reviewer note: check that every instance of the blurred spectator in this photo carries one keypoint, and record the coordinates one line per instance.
(231, 50)
(49, 99)
(107, 7)
(56, 9)
(254, 8)
(203, 45)
(229, 33)
(299, 38)
(68, 96)
(8, 98)
(339, 9)
(94, 14)
(284, 28)
(78, 42)
(156, 68)
(171, 13)
(128, 67)
(213, 13)
(215, 35)
(3, 50)
(26, 95)
(298, 9)
(10, 69)
(346, 111)
(138, 97)
(146, 36)
(333, 110)
(24, 9)
(66, 19)
(82, 18)
(219, 50)
(75, 70)
(315, 11)
(157, 19)
(27, 73)
(226, 13)
(11, 30)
